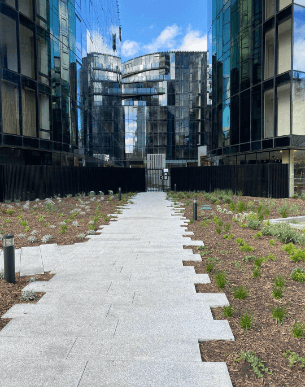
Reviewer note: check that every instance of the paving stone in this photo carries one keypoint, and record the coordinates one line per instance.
(31, 261)
(122, 310)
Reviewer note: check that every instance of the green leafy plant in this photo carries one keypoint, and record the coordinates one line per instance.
(246, 321)
(298, 274)
(289, 248)
(259, 261)
(63, 228)
(9, 211)
(298, 330)
(299, 255)
(221, 279)
(228, 311)
(237, 265)
(256, 272)
(271, 242)
(249, 258)
(27, 228)
(241, 206)
(278, 314)
(239, 193)
(23, 223)
(277, 292)
(279, 281)
(294, 358)
(218, 230)
(257, 235)
(232, 206)
(272, 257)
(228, 236)
(41, 218)
(240, 292)
(210, 264)
(246, 247)
(227, 227)
(256, 363)
(240, 241)
(254, 224)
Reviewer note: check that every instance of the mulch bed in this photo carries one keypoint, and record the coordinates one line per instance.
(266, 338)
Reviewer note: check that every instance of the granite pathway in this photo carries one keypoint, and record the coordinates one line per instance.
(122, 309)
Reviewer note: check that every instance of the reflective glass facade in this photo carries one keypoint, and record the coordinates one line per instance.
(165, 99)
(257, 53)
(44, 46)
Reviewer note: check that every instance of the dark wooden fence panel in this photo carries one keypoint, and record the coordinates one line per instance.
(264, 180)
(28, 182)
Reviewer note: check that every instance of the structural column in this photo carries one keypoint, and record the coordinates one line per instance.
(288, 158)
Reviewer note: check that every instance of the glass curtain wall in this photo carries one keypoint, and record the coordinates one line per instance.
(165, 98)
(43, 44)
(256, 49)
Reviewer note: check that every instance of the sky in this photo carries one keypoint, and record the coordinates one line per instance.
(162, 25)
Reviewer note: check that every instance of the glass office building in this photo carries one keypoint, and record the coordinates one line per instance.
(43, 44)
(258, 109)
(165, 97)
(103, 117)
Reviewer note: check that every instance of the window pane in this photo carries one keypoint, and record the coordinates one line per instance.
(8, 43)
(269, 113)
(10, 107)
(257, 55)
(298, 44)
(245, 116)
(27, 51)
(298, 101)
(44, 111)
(43, 45)
(26, 7)
(28, 112)
(256, 114)
(284, 47)
(270, 4)
(269, 54)
(283, 109)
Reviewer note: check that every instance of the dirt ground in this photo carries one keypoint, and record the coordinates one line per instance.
(265, 337)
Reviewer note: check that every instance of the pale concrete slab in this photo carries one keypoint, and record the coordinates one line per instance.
(31, 261)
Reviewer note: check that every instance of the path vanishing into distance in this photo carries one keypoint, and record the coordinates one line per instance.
(122, 310)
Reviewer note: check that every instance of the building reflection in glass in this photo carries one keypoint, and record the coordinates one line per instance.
(164, 98)
(42, 47)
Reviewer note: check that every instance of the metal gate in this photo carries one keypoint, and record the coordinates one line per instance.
(156, 176)
(157, 180)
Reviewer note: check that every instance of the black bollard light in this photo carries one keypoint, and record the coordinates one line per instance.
(120, 193)
(175, 187)
(9, 258)
(195, 209)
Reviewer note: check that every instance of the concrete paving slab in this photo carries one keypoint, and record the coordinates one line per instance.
(119, 304)
(31, 261)
(157, 374)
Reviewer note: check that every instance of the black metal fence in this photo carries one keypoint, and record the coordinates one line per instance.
(265, 180)
(28, 182)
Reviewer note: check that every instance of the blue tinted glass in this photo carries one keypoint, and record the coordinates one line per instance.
(298, 43)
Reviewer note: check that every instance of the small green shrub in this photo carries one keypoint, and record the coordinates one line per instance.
(218, 230)
(232, 206)
(246, 247)
(298, 330)
(298, 274)
(240, 241)
(254, 224)
(277, 292)
(9, 211)
(249, 258)
(211, 263)
(63, 229)
(294, 358)
(279, 281)
(278, 314)
(246, 321)
(240, 193)
(256, 363)
(289, 248)
(23, 223)
(271, 242)
(257, 235)
(299, 255)
(272, 257)
(241, 206)
(221, 279)
(240, 293)
(227, 227)
(228, 311)
(256, 273)
(259, 261)
(228, 236)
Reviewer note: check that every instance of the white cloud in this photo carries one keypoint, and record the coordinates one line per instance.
(171, 38)
(130, 48)
(193, 41)
(165, 41)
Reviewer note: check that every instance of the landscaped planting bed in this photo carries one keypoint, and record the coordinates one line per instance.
(253, 264)
(58, 220)
(67, 220)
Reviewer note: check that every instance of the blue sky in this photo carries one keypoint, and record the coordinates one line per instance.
(162, 25)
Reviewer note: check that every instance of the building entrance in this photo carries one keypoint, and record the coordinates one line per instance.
(157, 177)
